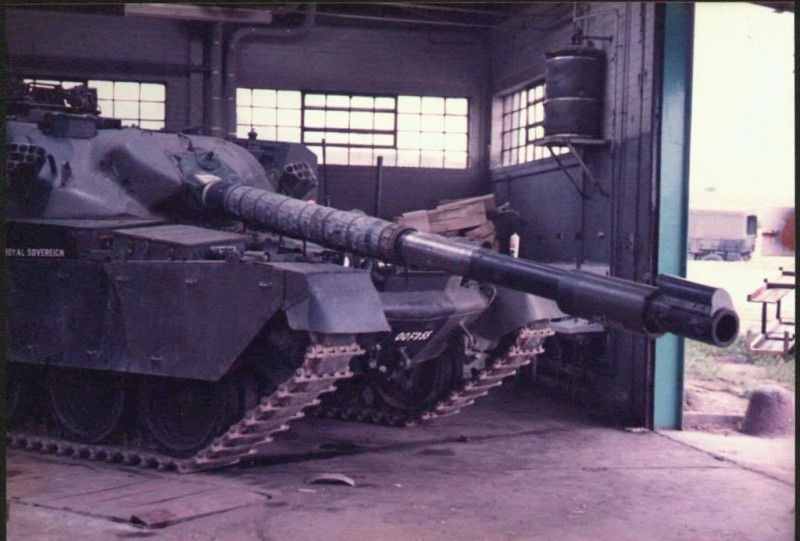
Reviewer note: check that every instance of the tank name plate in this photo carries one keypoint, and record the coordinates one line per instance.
(51, 253)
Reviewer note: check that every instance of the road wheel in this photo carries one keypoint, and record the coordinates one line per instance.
(182, 416)
(87, 404)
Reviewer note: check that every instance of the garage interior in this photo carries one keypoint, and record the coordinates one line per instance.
(586, 442)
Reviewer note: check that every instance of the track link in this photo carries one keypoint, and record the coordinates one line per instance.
(526, 345)
(322, 366)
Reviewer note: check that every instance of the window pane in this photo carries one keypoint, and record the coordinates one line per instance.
(432, 123)
(339, 101)
(264, 98)
(362, 102)
(408, 158)
(361, 120)
(432, 158)
(432, 141)
(384, 103)
(361, 139)
(106, 107)
(361, 156)
(315, 100)
(337, 119)
(457, 106)
(244, 97)
(407, 140)
(389, 156)
(336, 155)
(290, 135)
(337, 138)
(126, 109)
(314, 119)
(384, 140)
(241, 131)
(264, 117)
(244, 115)
(455, 160)
(152, 111)
(384, 121)
(153, 92)
(126, 91)
(455, 124)
(105, 89)
(151, 124)
(408, 122)
(408, 104)
(313, 137)
(456, 142)
(289, 99)
(289, 117)
(266, 133)
(433, 106)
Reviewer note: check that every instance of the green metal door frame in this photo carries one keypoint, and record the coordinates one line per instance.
(675, 29)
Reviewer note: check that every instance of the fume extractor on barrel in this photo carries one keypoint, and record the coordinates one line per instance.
(575, 77)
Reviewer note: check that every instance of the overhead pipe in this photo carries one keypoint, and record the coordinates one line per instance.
(215, 83)
(401, 20)
(232, 52)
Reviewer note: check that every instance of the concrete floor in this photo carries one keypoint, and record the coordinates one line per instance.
(516, 466)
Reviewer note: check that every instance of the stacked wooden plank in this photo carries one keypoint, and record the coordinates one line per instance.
(466, 220)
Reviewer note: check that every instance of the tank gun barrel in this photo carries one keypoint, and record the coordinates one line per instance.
(672, 305)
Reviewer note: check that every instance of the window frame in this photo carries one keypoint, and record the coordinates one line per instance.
(396, 155)
(524, 150)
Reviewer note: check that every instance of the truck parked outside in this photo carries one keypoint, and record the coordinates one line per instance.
(722, 235)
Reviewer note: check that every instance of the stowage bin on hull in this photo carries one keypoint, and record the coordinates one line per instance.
(150, 277)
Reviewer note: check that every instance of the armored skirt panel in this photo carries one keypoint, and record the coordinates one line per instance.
(185, 319)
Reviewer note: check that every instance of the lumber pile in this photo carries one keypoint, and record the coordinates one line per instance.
(466, 220)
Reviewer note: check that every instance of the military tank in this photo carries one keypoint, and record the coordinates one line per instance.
(161, 315)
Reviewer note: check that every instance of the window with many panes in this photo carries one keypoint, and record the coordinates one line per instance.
(523, 123)
(407, 131)
(134, 103)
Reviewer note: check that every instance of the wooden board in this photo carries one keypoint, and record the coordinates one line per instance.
(152, 499)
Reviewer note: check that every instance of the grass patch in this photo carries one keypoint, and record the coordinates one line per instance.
(704, 362)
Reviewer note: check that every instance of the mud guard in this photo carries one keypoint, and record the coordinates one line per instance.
(509, 311)
(331, 299)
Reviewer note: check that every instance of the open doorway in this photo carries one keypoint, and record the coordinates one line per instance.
(741, 201)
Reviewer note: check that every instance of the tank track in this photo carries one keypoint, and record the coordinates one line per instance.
(526, 345)
(322, 366)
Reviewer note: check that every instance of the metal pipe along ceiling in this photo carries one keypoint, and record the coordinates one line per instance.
(232, 59)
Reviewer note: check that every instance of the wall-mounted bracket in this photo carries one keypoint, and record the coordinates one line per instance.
(573, 143)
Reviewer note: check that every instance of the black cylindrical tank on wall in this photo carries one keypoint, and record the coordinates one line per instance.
(574, 79)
